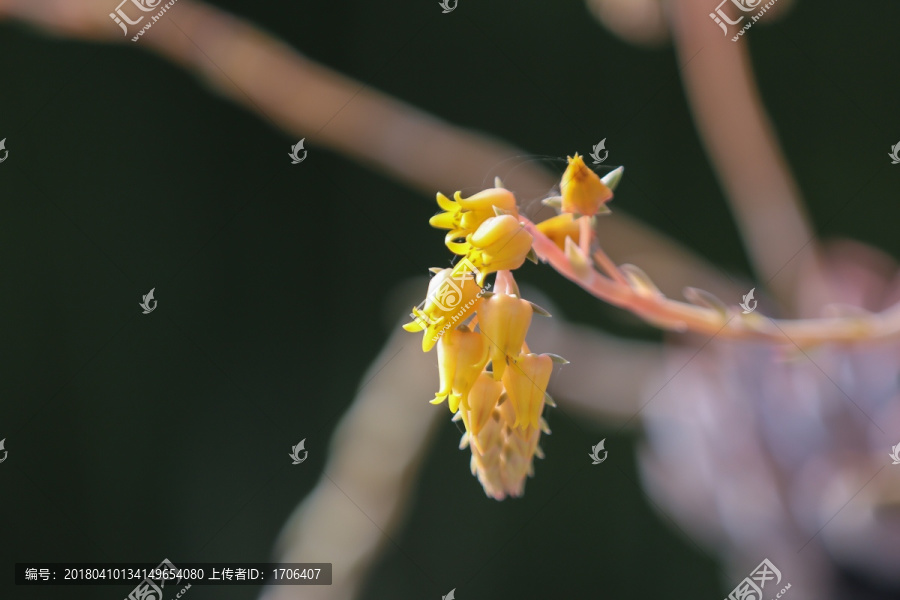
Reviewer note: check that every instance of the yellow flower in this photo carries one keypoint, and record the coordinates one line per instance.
(481, 401)
(486, 463)
(583, 192)
(453, 295)
(517, 458)
(502, 456)
(462, 355)
(526, 382)
(501, 243)
(465, 214)
(504, 320)
(560, 227)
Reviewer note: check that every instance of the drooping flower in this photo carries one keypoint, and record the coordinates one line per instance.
(452, 297)
(526, 382)
(500, 243)
(464, 215)
(503, 455)
(462, 355)
(583, 192)
(500, 408)
(487, 452)
(504, 320)
(481, 402)
(518, 453)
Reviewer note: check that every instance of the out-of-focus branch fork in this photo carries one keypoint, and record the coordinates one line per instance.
(266, 76)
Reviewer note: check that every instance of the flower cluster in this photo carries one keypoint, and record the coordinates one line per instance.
(490, 379)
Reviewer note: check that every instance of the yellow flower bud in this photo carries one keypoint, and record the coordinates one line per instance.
(462, 356)
(499, 244)
(560, 227)
(504, 321)
(582, 190)
(526, 382)
(481, 401)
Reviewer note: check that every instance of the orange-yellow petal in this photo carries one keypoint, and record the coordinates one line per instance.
(462, 356)
(582, 190)
(504, 321)
(481, 401)
(526, 382)
(468, 213)
(560, 227)
(501, 243)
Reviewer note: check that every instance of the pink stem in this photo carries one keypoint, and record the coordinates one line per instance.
(688, 317)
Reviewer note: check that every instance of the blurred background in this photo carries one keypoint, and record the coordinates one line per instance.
(138, 437)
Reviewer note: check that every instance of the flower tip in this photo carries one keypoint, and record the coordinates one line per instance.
(545, 428)
(539, 310)
(583, 192)
(552, 201)
(611, 179)
(413, 327)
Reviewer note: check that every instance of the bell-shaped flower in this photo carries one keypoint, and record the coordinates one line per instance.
(481, 402)
(501, 243)
(463, 216)
(526, 382)
(453, 296)
(504, 320)
(462, 355)
(583, 192)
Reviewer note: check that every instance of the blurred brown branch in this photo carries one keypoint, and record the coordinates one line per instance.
(302, 97)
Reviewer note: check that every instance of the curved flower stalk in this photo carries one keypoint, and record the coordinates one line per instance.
(569, 244)
(489, 377)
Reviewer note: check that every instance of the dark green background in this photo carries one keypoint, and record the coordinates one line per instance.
(134, 438)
